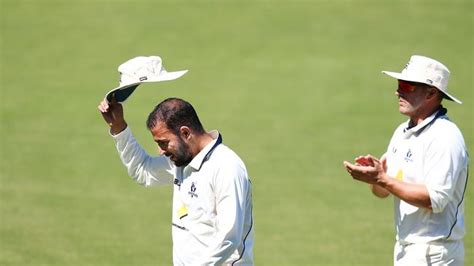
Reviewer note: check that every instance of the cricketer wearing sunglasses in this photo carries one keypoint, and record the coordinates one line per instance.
(425, 168)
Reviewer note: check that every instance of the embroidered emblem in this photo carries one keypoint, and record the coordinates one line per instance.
(408, 156)
(177, 182)
(192, 191)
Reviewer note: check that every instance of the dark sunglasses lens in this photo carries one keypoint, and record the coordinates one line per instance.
(405, 86)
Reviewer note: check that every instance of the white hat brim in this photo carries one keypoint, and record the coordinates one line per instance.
(165, 76)
(400, 76)
(403, 77)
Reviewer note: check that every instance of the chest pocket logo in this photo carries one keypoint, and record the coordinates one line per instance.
(408, 156)
(192, 190)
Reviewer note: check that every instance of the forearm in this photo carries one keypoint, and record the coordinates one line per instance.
(116, 128)
(144, 169)
(414, 194)
(379, 191)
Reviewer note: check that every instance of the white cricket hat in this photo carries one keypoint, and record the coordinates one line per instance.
(138, 70)
(428, 71)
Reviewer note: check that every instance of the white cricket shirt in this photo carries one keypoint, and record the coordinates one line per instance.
(212, 202)
(432, 153)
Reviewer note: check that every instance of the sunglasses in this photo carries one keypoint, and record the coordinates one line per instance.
(406, 87)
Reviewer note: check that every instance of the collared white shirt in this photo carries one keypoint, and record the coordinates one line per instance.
(434, 154)
(212, 201)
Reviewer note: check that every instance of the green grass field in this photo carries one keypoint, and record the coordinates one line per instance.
(294, 87)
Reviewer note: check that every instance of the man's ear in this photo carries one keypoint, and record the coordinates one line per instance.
(185, 132)
(432, 93)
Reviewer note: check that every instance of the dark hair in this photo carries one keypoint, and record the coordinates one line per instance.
(175, 113)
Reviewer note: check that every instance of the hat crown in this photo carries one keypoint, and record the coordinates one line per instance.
(428, 71)
(140, 69)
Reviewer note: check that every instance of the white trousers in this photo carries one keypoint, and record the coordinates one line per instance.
(433, 254)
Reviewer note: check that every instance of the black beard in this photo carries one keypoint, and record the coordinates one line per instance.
(183, 154)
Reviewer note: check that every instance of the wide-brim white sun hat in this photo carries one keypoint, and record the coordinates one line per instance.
(138, 70)
(428, 71)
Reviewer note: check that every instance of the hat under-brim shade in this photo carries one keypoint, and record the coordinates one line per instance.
(121, 93)
(400, 76)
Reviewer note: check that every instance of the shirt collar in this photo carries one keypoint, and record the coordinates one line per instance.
(205, 153)
(421, 126)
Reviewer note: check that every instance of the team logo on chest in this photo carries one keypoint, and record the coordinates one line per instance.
(408, 156)
(192, 190)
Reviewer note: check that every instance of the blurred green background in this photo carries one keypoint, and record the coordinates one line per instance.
(294, 87)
